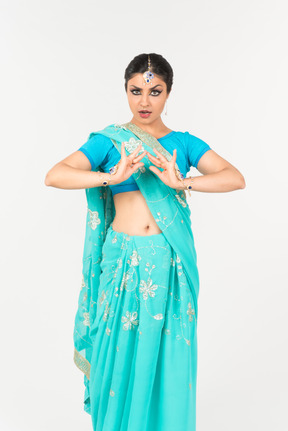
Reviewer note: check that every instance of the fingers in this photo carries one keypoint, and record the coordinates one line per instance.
(123, 152)
(160, 156)
(133, 152)
(136, 166)
(173, 160)
(155, 170)
(154, 159)
(139, 157)
(136, 150)
(163, 159)
(134, 158)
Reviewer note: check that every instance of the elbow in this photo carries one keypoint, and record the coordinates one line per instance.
(47, 180)
(242, 183)
(238, 179)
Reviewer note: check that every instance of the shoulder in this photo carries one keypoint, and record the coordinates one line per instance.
(193, 142)
(185, 137)
(96, 148)
(195, 147)
(189, 138)
(99, 139)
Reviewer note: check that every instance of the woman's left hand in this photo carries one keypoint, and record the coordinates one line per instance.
(168, 176)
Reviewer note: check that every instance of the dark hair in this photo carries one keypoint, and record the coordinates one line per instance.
(159, 66)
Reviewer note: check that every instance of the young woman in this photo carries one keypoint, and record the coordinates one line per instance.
(135, 335)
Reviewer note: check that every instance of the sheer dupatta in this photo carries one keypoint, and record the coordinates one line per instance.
(171, 213)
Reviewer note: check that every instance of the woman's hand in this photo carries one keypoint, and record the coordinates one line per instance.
(128, 164)
(168, 176)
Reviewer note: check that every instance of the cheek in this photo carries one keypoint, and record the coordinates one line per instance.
(159, 103)
(131, 102)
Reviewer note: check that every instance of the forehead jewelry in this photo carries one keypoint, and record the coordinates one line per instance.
(148, 75)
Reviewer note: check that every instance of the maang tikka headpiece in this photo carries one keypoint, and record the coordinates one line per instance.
(148, 75)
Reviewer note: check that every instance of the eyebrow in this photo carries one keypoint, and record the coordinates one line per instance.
(138, 88)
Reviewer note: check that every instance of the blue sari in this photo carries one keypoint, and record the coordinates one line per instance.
(135, 333)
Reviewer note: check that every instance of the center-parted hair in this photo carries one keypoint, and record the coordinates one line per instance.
(159, 66)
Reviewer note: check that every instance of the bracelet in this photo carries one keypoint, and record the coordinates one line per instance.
(180, 176)
(189, 185)
(105, 182)
(112, 171)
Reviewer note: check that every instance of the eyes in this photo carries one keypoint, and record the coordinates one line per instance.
(153, 91)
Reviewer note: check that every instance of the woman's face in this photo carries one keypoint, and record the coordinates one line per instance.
(146, 97)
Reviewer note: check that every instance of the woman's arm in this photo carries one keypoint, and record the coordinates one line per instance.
(74, 172)
(218, 175)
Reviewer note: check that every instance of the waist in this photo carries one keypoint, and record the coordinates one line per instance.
(133, 216)
(135, 233)
(127, 227)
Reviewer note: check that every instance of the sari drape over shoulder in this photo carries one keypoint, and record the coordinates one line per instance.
(171, 212)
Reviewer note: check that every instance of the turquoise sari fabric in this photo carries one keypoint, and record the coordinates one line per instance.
(135, 333)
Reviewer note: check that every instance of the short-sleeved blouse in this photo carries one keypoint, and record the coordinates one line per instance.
(100, 151)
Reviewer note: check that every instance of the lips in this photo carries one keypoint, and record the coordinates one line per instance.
(145, 112)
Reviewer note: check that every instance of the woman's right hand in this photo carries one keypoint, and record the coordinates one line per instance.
(125, 167)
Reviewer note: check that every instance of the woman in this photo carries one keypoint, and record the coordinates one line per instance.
(135, 335)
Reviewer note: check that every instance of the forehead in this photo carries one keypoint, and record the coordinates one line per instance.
(138, 81)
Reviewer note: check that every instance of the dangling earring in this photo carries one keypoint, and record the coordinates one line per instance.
(166, 108)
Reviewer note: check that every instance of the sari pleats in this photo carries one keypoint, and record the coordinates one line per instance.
(143, 365)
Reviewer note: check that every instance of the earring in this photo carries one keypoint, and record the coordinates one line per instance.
(166, 108)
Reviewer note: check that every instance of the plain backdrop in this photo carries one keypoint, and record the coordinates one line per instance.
(62, 76)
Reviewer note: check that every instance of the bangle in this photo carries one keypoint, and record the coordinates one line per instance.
(189, 185)
(105, 182)
(180, 176)
(112, 171)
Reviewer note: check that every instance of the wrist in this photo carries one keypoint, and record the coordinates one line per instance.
(113, 179)
(106, 179)
(179, 185)
(185, 184)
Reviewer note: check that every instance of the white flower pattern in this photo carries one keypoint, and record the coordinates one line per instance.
(135, 258)
(132, 144)
(86, 320)
(130, 320)
(190, 312)
(147, 289)
(94, 219)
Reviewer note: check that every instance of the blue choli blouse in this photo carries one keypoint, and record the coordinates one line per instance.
(100, 151)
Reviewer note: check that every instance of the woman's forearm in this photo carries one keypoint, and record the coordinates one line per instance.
(226, 180)
(64, 176)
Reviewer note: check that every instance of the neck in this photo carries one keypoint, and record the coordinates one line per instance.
(154, 128)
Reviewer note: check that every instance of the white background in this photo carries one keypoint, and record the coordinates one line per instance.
(62, 76)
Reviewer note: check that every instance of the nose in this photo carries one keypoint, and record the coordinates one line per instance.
(144, 102)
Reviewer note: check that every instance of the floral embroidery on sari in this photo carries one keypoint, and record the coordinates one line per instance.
(94, 219)
(130, 320)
